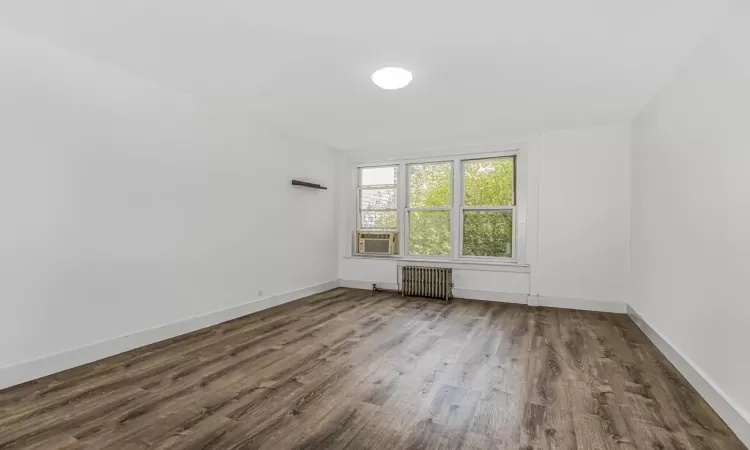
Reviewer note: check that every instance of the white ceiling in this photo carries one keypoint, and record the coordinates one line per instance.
(481, 67)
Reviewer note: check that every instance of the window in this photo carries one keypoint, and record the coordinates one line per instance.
(488, 207)
(459, 208)
(429, 208)
(377, 198)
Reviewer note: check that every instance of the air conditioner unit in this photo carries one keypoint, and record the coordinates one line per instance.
(376, 243)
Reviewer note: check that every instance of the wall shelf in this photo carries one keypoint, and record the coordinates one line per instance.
(307, 185)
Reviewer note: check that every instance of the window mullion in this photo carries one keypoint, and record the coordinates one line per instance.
(401, 203)
(489, 208)
(379, 186)
(457, 202)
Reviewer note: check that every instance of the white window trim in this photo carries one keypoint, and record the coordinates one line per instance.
(520, 209)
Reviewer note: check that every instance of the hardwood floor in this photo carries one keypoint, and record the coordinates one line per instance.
(357, 370)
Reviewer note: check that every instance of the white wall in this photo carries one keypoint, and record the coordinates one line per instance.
(577, 223)
(584, 203)
(127, 206)
(691, 211)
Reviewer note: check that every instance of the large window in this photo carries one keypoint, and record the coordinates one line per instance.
(378, 198)
(457, 207)
(488, 207)
(429, 208)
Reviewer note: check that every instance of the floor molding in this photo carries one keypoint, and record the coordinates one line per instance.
(734, 416)
(469, 294)
(358, 284)
(582, 304)
(507, 297)
(491, 296)
(47, 365)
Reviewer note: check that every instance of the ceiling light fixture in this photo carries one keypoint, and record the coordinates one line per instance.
(391, 78)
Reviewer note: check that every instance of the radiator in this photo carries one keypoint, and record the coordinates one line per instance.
(433, 282)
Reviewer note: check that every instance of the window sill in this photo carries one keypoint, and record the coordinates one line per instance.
(463, 264)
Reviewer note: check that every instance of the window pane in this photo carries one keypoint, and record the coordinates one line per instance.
(430, 233)
(488, 233)
(378, 220)
(377, 176)
(489, 182)
(430, 185)
(384, 198)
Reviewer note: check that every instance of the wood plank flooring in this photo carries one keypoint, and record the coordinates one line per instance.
(349, 369)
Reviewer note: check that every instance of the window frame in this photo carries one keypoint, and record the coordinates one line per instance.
(512, 208)
(408, 208)
(360, 187)
(519, 207)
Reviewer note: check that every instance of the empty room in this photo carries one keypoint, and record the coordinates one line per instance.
(470, 225)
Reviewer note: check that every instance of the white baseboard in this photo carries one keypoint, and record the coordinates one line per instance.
(458, 293)
(734, 416)
(491, 296)
(506, 297)
(581, 304)
(357, 284)
(47, 365)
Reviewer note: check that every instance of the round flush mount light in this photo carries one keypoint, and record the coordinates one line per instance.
(391, 78)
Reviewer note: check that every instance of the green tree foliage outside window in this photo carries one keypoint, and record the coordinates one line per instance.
(488, 183)
(488, 233)
(430, 233)
(430, 187)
